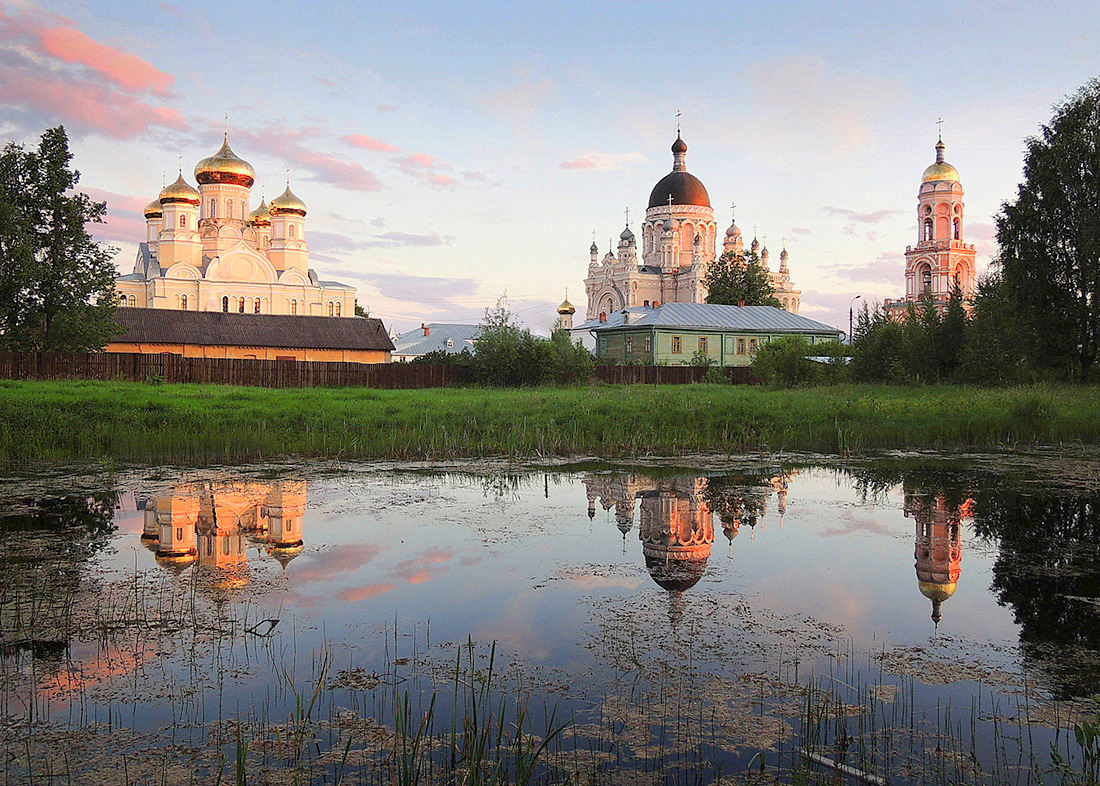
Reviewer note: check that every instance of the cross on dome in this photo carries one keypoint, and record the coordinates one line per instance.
(939, 128)
(679, 114)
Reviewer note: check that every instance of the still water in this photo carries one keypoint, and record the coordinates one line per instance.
(921, 617)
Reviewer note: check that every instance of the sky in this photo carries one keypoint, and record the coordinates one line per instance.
(453, 152)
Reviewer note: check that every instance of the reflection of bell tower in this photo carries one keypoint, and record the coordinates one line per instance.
(286, 506)
(176, 517)
(677, 532)
(938, 549)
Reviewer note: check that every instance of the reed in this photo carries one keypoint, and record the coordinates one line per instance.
(82, 420)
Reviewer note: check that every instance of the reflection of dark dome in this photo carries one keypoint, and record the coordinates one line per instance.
(685, 188)
(676, 575)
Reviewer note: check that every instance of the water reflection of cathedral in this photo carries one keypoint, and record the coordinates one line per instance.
(938, 549)
(676, 520)
(212, 523)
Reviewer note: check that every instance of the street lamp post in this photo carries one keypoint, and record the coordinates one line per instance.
(850, 305)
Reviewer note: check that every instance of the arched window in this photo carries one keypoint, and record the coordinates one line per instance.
(331, 308)
(646, 303)
(337, 309)
(926, 280)
(927, 229)
(240, 305)
(183, 222)
(225, 303)
(450, 343)
(294, 307)
(256, 306)
(293, 230)
(213, 208)
(229, 208)
(183, 302)
(958, 234)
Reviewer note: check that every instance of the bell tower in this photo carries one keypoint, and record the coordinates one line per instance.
(941, 255)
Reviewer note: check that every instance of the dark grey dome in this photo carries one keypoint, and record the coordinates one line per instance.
(685, 188)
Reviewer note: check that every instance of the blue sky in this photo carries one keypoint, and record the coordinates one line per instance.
(449, 152)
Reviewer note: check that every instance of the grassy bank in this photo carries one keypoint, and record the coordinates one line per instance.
(190, 423)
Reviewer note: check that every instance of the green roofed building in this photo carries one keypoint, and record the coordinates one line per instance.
(673, 333)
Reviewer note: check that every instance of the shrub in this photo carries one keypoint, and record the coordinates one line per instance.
(782, 363)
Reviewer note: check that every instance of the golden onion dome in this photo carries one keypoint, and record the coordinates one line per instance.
(261, 216)
(566, 307)
(935, 591)
(153, 210)
(179, 192)
(225, 167)
(941, 170)
(286, 202)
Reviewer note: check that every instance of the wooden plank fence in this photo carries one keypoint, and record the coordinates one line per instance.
(167, 367)
(670, 375)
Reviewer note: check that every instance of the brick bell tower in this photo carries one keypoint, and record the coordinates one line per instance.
(941, 256)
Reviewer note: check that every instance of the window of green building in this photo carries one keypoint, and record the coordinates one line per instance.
(752, 346)
(647, 343)
(703, 345)
(629, 343)
(740, 346)
(676, 345)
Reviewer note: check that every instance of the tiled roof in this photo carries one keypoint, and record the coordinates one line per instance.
(752, 319)
(414, 342)
(217, 328)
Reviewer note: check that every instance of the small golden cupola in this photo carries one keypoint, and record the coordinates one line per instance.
(179, 192)
(941, 170)
(286, 202)
(225, 166)
(153, 209)
(261, 216)
(567, 308)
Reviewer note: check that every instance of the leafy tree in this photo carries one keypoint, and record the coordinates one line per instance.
(1050, 236)
(57, 285)
(734, 279)
(360, 311)
(783, 363)
(998, 344)
(507, 355)
(877, 349)
(952, 335)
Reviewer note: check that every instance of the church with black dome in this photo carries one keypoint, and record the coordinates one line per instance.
(679, 242)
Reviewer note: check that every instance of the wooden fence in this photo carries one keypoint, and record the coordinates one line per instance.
(670, 375)
(295, 373)
(223, 371)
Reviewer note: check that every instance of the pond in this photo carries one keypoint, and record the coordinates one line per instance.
(911, 618)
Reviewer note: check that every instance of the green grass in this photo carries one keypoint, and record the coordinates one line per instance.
(59, 421)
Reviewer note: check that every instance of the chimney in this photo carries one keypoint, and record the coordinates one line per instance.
(427, 330)
(626, 317)
(603, 316)
(741, 303)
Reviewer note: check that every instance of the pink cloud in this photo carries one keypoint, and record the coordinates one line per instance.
(286, 143)
(424, 167)
(356, 594)
(370, 143)
(386, 108)
(330, 564)
(418, 570)
(100, 96)
(81, 104)
(580, 163)
(128, 71)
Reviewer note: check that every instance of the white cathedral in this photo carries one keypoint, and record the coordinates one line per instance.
(679, 241)
(206, 250)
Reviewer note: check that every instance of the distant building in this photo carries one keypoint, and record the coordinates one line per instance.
(216, 278)
(941, 257)
(213, 334)
(435, 337)
(674, 332)
(206, 249)
(679, 244)
(565, 315)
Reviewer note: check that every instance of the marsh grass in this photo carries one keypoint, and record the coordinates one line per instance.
(195, 423)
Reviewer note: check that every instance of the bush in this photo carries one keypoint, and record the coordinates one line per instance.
(782, 363)
(507, 355)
